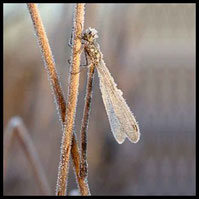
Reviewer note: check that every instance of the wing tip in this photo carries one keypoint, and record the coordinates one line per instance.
(120, 142)
(135, 138)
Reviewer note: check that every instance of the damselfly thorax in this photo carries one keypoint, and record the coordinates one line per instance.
(91, 47)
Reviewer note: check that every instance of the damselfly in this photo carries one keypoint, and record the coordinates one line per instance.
(121, 119)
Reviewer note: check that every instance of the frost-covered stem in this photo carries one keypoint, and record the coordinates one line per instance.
(17, 130)
(72, 102)
(56, 86)
(83, 185)
(47, 58)
(84, 126)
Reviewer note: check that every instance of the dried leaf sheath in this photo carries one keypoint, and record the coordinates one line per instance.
(84, 127)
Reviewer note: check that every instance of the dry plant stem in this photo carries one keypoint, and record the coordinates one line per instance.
(48, 58)
(16, 129)
(71, 104)
(85, 120)
(82, 181)
(54, 81)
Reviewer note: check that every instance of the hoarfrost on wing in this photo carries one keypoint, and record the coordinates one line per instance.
(121, 119)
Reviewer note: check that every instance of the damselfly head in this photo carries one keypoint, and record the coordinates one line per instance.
(90, 34)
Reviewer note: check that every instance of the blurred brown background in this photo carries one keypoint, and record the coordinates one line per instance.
(150, 51)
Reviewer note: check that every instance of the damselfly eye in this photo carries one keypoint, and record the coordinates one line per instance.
(90, 34)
